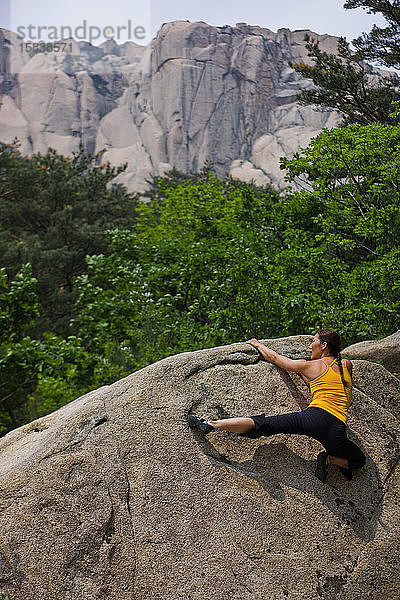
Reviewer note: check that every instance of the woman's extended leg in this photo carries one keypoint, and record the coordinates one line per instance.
(240, 425)
(235, 424)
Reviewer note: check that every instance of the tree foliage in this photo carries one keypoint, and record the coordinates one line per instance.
(353, 173)
(214, 262)
(381, 44)
(182, 278)
(53, 212)
(32, 370)
(344, 81)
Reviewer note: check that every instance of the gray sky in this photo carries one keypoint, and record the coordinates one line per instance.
(106, 17)
(321, 16)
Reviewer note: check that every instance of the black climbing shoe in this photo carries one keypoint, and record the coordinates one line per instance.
(348, 473)
(322, 466)
(200, 424)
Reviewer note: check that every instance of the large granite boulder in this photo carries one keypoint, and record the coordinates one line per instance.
(385, 351)
(113, 497)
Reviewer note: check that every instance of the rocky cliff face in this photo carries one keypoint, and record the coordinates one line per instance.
(196, 92)
(113, 497)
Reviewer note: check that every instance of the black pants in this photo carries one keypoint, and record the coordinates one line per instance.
(316, 423)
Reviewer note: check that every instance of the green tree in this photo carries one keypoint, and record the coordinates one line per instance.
(18, 310)
(214, 262)
(53, 212)
(188, 275)
(157, 185)
(36, 376)
(343, 80)
(381, 44)
(353, 174)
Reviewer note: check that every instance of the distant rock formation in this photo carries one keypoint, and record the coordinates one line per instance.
(197, 92)
(113, 497)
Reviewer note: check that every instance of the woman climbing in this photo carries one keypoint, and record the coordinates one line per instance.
(330, 381)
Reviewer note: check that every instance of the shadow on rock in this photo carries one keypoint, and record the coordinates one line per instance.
(275, 467)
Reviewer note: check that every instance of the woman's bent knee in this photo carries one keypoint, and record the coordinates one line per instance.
(357, 461)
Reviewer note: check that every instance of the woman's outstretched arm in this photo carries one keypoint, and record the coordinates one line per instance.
(300, 366)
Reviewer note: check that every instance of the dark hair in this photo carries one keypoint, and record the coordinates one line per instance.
(332, 340)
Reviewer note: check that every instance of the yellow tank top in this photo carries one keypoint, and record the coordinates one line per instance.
(328, 392)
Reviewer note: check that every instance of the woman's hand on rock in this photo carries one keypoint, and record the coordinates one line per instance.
(253, 342)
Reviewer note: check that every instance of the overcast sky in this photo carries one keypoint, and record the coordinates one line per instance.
(145, 17)
(321, 16)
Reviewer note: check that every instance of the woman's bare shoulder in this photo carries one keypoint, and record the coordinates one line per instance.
(316, 367)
